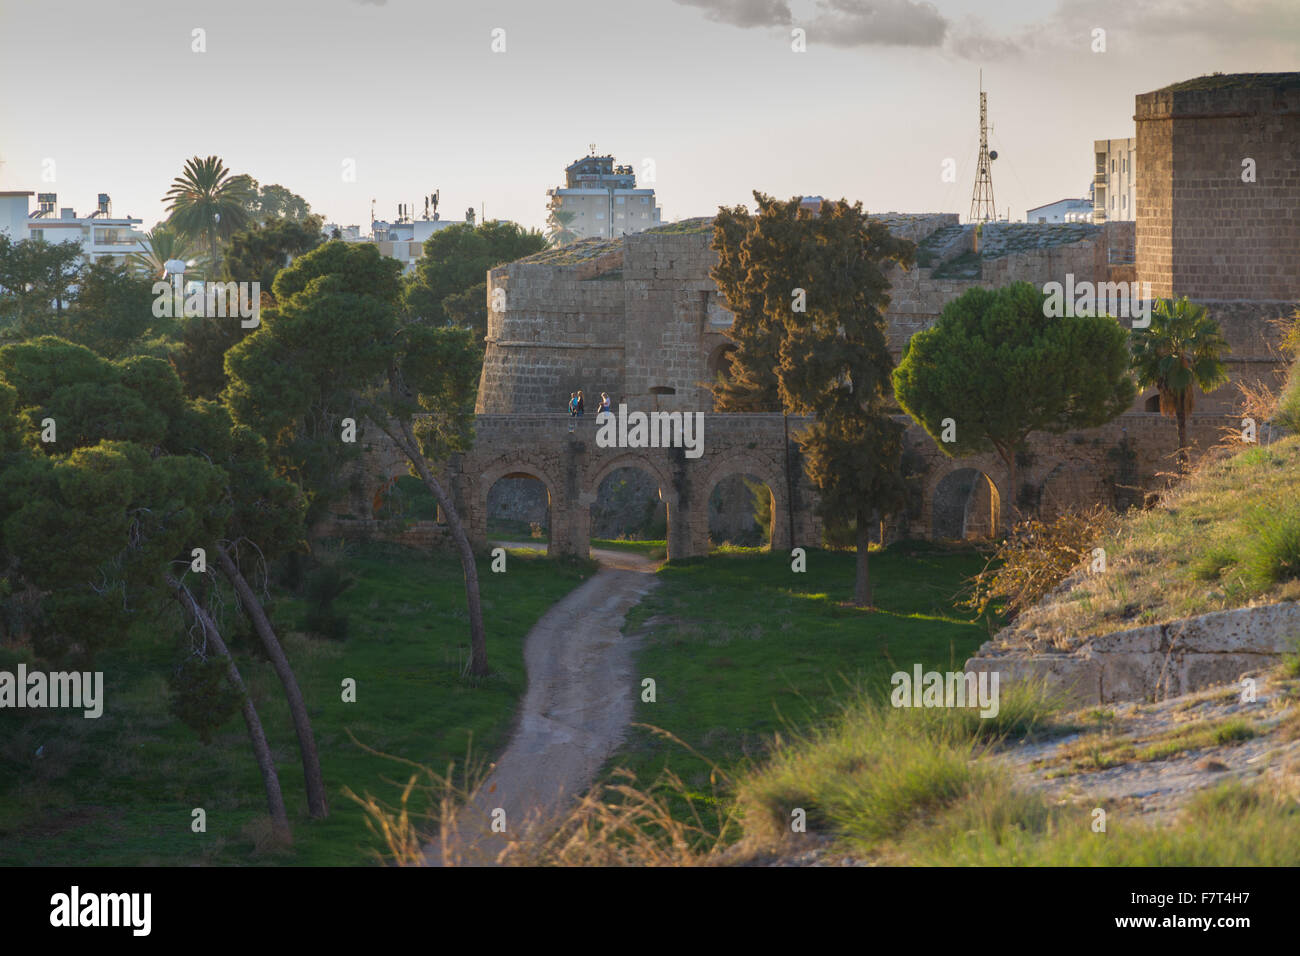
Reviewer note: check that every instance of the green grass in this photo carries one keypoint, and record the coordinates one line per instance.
(651, 549)
(914, 788)
(875, 770)
(1231, 825)
(744, 648)
(1102, 751)
(120, 789)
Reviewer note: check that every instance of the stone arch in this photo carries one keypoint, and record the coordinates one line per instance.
(652, 467)
(519, 468)
(966, 502)
(1151, 403)
(771, 473)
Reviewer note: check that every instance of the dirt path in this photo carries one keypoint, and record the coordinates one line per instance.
(575, 712)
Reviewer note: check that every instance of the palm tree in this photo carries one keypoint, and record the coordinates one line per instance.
(161, 244)
(558, 230)
(207, 202)
(1180, 352)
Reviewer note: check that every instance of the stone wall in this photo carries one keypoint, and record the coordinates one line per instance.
(1157, 661)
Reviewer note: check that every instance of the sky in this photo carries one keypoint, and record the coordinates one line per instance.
(488, 101)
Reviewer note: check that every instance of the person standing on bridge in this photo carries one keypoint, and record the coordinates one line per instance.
(580, 403)
(573, 404)
(604, 405)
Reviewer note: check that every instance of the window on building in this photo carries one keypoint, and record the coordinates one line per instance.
(645, 199)
(1123, 202)
(38, 234)
(600, 215)
(620, 200)
(1112, 165)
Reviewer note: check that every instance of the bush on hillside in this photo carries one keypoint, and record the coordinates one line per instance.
(1275, 546)
(1035, 558)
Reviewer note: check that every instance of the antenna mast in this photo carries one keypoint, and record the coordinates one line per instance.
(981, 203)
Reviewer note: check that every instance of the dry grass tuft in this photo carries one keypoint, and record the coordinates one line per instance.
(616, 823)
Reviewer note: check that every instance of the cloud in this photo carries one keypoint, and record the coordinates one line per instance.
(743, 13)
(1225, 25)
(845, 23)
(850, 23)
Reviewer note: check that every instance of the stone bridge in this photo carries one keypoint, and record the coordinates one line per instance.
(963, 498)
(572, 466)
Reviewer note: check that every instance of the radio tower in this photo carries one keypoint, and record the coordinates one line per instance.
(981, 202)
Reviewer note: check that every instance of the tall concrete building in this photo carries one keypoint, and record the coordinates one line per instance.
(604, 200)
(1114, 196)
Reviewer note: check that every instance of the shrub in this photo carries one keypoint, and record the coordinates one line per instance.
(1210, 565)
(324, 585)
(1287, 414)
(1035, 558)
(1275, 546)
(202, 696)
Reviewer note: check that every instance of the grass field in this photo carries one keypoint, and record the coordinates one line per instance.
(120, 789)
(651, 549)
(741, 648)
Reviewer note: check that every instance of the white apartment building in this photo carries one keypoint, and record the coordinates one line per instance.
(100, 235)
(1063, 210)
(604, 199)
(1114, 193)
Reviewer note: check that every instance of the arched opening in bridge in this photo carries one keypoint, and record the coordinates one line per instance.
(629, 507)
(519, 510)
(1152, 404)
(741, 512)
(966, 506)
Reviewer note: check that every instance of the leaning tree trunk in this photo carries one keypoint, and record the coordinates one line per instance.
(265, 762)
(317, 804)
(862, 582)
(477, 636)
